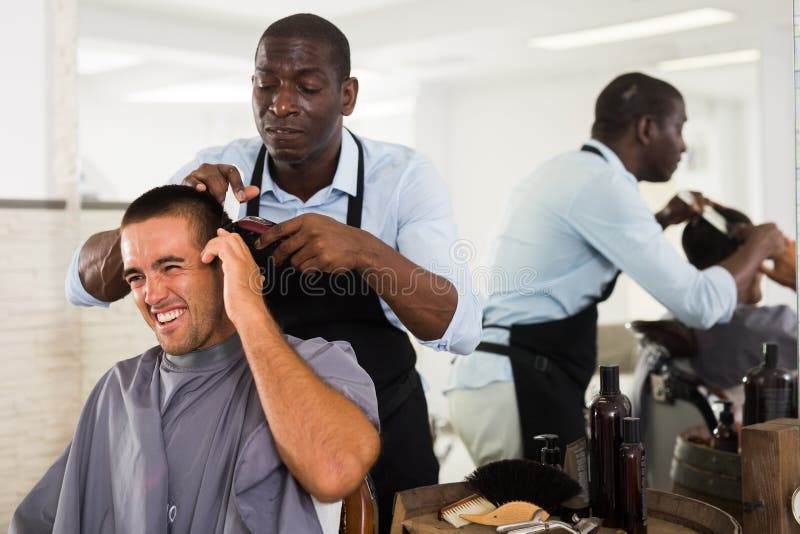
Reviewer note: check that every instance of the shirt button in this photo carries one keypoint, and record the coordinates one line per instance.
(173, 511)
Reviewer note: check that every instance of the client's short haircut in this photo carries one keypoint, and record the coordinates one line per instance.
(203, 210)
(705, 246)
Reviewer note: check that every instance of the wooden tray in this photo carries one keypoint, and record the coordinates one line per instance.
(416, 512)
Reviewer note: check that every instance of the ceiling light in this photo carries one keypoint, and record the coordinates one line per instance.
(712, 60)
(677, 22)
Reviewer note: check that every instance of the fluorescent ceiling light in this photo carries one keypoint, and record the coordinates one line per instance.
(712, 60)
(94, 61)
(213, 92)
(677, 22)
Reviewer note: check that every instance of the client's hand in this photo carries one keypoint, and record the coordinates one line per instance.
(242, 281)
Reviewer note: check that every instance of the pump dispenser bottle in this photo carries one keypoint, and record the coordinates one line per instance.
(632, 479)
(768, 390)
(605, 421)
(551, 453)
(725, 436)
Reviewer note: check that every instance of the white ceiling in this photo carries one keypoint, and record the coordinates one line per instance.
(397, 44)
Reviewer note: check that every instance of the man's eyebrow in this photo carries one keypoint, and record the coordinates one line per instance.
(315, 71)
(156, 264)
(166, 259)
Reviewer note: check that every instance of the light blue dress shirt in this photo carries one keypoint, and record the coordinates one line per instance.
(568, 228)
(406, 205)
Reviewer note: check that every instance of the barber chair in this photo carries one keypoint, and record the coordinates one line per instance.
(668, 397)
(360, 510)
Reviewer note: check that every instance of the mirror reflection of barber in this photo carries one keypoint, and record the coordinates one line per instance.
(343, 203)
(578, 220)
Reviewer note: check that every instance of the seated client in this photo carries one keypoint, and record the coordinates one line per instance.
(227, 425)
(725, 352)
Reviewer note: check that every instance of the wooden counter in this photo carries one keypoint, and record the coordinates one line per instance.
(416, 512)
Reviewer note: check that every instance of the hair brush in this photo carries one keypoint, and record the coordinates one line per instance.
(523, 480)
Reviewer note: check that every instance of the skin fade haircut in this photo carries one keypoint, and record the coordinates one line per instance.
(199, 207)
(628, 98)
(705, 246)
(310, 27)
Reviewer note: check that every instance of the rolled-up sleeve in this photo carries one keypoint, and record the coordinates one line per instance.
(427, 235)
(73, 288)
(615, 220)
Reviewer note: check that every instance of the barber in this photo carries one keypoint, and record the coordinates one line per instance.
(366, 219)
(577, 222)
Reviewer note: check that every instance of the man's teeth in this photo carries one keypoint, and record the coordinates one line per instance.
(169, 316)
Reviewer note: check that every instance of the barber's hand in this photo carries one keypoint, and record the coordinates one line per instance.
(216, 177)
(785, 269)
(766, 238)
(677, 211)
(242, 281)
(313, 241)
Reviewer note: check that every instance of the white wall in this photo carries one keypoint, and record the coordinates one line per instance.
(24, 106)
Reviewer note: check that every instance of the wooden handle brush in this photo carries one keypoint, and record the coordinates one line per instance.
(523, 480)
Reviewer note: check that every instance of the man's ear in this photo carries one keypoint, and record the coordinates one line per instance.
(644, 129)
(349, 95)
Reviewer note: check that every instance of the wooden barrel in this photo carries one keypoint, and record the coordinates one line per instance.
(701, 472)
(416, 511)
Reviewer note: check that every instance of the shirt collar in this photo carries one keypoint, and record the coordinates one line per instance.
(345, 179)
(209, 356)
(613, 160)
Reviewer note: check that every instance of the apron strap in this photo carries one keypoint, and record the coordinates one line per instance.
(593, 150)
(254, 203)
(355, 203)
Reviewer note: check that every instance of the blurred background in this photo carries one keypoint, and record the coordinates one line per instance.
(104, 99)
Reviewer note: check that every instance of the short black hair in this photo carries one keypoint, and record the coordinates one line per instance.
(203, 210)
(628, 98)
(705, 246)
(313, 28)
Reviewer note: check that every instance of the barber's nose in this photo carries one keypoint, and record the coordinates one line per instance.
(284, 102)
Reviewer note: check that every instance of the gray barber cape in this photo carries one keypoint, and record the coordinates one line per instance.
(181, 444)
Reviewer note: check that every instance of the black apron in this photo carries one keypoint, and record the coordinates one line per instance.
(552, 364)
(343, 306)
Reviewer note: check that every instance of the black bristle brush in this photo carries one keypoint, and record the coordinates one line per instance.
(523, 480)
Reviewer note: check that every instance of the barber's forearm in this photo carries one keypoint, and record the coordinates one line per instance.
(100, 267)
(424, 302)
(323, 438)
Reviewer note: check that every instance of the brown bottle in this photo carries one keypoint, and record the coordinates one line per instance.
(768, 390)
(725, 436)
(605, 423)
(632, 479)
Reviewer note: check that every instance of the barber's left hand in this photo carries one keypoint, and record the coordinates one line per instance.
(313, 241)
(677, 211)
(242, 280)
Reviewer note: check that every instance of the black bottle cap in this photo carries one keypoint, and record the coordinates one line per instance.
(770, 355)
(630, 430)
(726, 417)
(609, 379)
(551, 453)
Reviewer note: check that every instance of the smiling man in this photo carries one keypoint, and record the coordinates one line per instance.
(360, 208)
(227, 426)
(578, 221)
